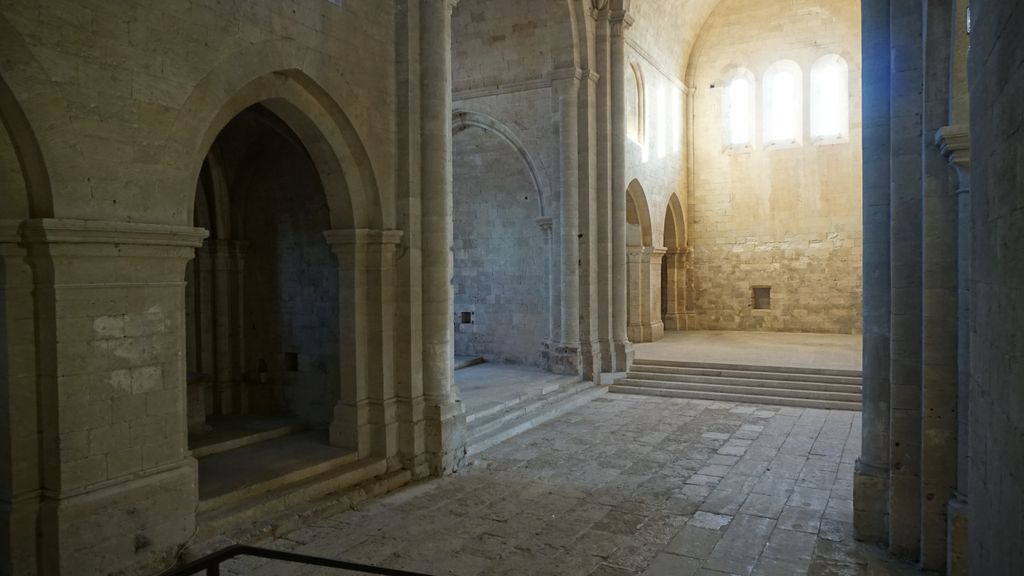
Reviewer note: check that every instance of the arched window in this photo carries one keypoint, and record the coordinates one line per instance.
(783, 105)
(830, 100)
(636, 105)
(738, 111)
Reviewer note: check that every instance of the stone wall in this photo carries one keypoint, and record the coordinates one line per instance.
(112, 107)
(785, 218)
(290, 285)
(501, 252)
(997, 348)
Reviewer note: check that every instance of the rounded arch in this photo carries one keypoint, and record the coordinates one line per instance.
(321, 125)
(638, 212)
(675, 225)
(19, 62)
(636, 123)
(783, 94)
(462, 119)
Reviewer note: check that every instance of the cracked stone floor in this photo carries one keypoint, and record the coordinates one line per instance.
(624, 485)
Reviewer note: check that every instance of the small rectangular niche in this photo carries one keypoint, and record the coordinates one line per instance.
(762, 297)
(291, 362)
(466, 318)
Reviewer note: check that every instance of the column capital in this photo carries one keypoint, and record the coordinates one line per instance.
(450, 5)
(545, 224)
(620, 21)
(591, 76)
(954, 143)
(568, 75)
(9, 231)
(66, 231)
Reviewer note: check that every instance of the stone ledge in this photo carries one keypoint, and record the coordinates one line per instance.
(54, 231)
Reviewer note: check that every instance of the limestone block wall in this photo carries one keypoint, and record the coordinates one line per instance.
(115, 105)
(997, 180)
(290, 288)
(506, 176)
(785, 218)
(501, 253)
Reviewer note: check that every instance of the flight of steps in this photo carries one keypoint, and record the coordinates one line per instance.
(485, 428)
(783, 386)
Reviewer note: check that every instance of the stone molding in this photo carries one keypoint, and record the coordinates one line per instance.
(620, 20)
(65, 231)
(9, 231)
(363, 237)
(572, 74)
(511, 88)
(545, 224)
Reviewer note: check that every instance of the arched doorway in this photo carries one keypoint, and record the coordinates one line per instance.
(673, 267)
(262, 296)
(644, 322)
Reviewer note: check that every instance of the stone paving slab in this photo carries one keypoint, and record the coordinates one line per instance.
(624, 486)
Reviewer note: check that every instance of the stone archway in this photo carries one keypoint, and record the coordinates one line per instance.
(644, 323)
(673, 267)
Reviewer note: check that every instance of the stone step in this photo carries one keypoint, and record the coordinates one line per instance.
(250, 471)
(238, 433)
(486, 421)
(643, 374)
(742, 398)
(749, 368)
(639, 366)
(530, 415)
(328, 488)
(489, 412)
(467, 361)
(752, 391)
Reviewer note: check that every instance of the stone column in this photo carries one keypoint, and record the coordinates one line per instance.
(118, 484)
(563, 356)
(603, 116)
(954, 143)
(546, 225)
(589, 311)
(619, 20)
(226, 260)
(939, 311)
(871, 478)
(443, 412)
(907, 33)
(645, 324)
(365, 417)
(675, 291)
(19, 424)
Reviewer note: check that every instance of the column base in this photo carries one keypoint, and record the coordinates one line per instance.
(871, 504)
(445, 430)
(562, 358)
(676, 322)
(623, 356)
(958, 550)
(645, 332)
(133, 527)
(18, 533)
(590, 356)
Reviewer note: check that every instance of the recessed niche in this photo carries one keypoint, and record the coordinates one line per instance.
(291, 362)
(762, 296)
(466, 318)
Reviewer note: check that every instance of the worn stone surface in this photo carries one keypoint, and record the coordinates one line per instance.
(625, 485)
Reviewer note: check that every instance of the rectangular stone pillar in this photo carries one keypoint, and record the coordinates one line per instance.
(907, 87)
(619, 21)
(119, 487)
(19, 425)
(365, 418)
(606, 282)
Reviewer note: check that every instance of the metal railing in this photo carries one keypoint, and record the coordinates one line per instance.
(211, 562)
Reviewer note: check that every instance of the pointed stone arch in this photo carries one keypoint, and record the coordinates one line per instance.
(644, 323)
(673, 266)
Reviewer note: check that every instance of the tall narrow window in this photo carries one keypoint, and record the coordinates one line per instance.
(636, 105)
(738, 111)
(830, 100)
(783, 105)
